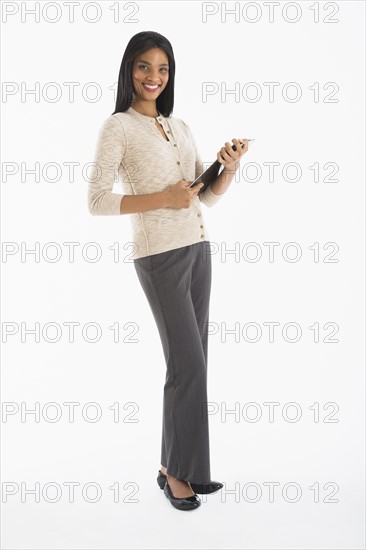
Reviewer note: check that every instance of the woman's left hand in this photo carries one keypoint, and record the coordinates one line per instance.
(229, 158)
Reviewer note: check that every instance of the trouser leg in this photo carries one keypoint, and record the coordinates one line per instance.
(169, 279)
(200, 292)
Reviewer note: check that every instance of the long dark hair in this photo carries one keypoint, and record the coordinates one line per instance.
(138, 44)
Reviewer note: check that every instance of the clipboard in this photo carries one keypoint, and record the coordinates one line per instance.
(209, 176)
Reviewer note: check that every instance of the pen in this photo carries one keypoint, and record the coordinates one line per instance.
(241, 143)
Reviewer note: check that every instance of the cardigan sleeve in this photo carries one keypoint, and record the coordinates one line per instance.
(207, 197)
(109, 152)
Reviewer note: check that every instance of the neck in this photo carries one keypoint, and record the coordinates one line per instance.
(147, 108)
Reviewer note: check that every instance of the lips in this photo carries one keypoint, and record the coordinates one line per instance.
(151, 88)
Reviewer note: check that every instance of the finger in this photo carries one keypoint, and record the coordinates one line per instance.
(229, 148)
(241, 146)
(245, 142)
(196, 188)
(234, 155)
(224, 158)
(238, 145)
(219, 158)
(225, 155)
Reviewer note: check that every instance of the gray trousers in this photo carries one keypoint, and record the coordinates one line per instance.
(177, 285)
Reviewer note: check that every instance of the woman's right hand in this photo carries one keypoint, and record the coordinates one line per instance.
(181, 196)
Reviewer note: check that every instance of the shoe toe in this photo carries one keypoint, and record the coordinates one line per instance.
(207, 488)
(188, 503)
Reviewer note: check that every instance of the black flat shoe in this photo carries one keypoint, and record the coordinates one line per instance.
(188, 503)
(201, 488)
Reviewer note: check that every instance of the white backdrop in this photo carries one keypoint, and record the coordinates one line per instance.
(287, 407)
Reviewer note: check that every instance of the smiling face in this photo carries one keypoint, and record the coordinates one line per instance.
(150, 74)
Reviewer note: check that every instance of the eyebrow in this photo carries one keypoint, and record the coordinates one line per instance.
(147, 63)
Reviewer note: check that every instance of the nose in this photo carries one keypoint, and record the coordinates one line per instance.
(153, 78)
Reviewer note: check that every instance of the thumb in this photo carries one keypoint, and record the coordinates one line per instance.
(198, 187)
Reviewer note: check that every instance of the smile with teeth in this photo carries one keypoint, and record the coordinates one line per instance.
(150, 87)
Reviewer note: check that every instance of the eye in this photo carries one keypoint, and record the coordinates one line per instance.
(142, 66)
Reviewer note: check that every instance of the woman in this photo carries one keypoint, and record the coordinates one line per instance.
(156, 157)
